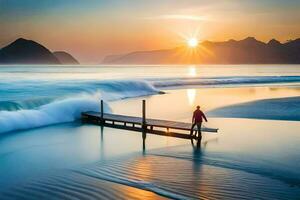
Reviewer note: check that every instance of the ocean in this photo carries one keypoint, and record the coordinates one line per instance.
(47, 153)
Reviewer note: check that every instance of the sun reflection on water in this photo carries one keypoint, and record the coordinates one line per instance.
(192, 72)
(191, 95)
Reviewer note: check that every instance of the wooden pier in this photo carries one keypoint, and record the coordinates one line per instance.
(142, 124)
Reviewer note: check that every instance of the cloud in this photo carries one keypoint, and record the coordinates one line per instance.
(179, 17)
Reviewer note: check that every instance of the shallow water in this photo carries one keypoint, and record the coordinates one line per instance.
(261, 160)
(247, 159)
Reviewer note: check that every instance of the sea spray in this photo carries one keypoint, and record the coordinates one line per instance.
(59, 111)
(21, 91)
(121, 89)
(24, 104)
(34, 113)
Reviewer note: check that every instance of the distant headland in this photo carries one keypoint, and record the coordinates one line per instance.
(247, 51)
(24, 51)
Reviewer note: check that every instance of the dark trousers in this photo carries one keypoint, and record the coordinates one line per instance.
(198, 124)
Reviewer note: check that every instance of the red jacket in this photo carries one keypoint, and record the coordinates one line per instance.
(198, 115)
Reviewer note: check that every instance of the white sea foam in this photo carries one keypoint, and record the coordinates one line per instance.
(66, 110)
(223, 81)
(69, 109)
(63, 101)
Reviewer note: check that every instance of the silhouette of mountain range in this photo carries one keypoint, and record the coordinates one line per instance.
(65, 58)
(247, 51)
(24, 51)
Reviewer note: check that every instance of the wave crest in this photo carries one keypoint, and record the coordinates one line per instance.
(42, 113)
(66, 110)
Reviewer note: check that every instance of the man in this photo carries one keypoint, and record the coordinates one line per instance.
(197, 120)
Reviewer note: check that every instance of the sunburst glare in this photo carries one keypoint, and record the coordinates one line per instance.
(192, 42)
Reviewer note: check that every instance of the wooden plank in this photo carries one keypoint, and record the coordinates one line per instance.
(113, 117)
(149, 131)
(149, 122)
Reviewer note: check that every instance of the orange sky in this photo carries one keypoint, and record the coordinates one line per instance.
(90, 30)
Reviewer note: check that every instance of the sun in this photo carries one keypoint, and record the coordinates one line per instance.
(192, 42)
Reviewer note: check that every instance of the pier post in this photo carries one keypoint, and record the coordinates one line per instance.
(102, 111)
(144, 115)
(144, 140)
(102, 142)
(144, 126)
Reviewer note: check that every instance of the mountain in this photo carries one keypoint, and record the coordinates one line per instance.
(24, 51)
(141, 57)
(111, 58)
(246, 51)
(65, 58)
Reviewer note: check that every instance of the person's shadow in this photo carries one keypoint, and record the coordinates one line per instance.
(197, 159)
(196, 146)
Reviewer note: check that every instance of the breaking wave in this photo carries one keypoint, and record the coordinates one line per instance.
(31, 104)
(224, 81)
(42, 111)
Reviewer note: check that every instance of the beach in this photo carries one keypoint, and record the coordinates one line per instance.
(47, 152)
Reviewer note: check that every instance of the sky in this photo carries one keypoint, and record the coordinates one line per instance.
(93, 29)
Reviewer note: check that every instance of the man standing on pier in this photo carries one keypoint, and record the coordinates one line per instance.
(197, 120)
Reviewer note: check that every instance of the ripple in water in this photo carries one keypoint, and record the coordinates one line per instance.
(155, 175)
